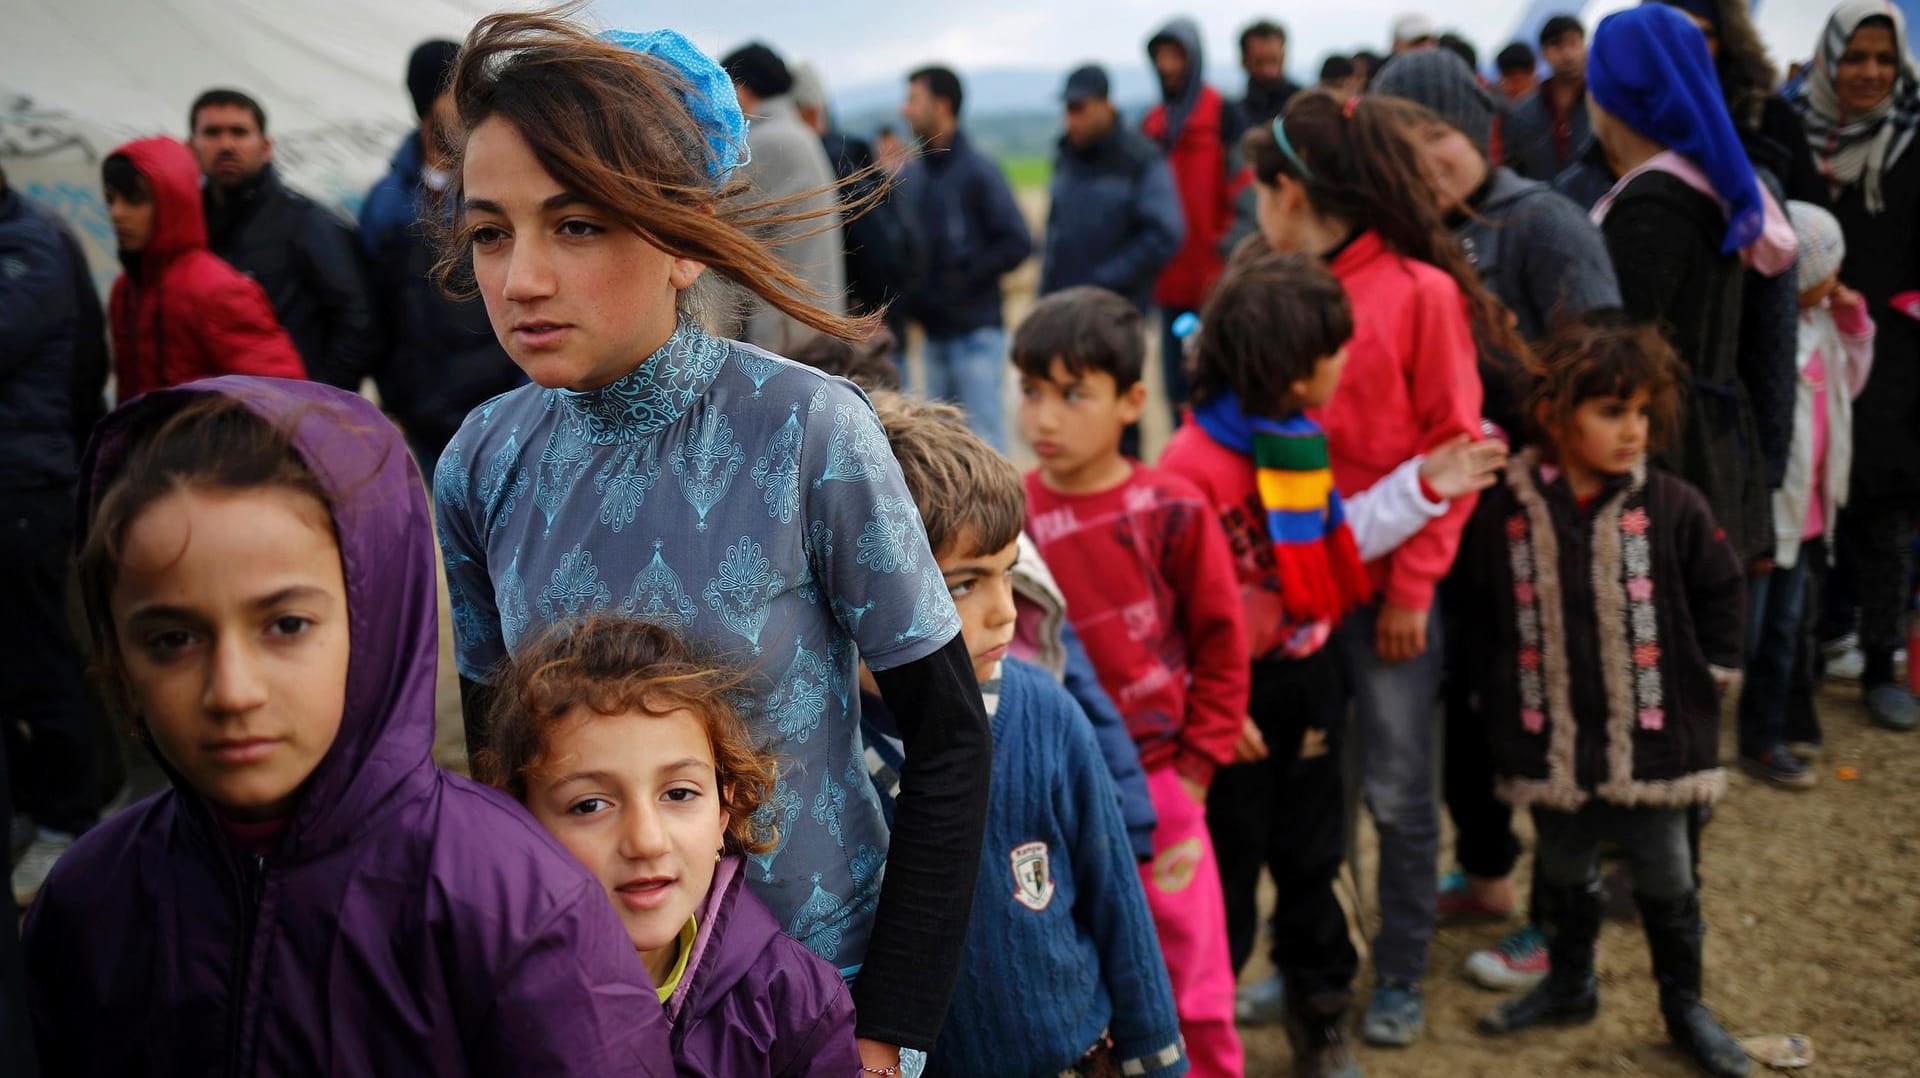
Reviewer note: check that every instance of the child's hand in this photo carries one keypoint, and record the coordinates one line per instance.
(1252, 744)
(1463, 466)
(1842, 296)
(1400, 634)
(1194, 789)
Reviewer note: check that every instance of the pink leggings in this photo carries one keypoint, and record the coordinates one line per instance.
(1189, 913)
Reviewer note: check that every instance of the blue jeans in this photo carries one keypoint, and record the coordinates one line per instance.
(1394, 708)
(1776, 602)
(967, 371)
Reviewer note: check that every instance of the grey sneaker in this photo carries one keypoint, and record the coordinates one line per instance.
(1262, 1003)
(1396, 1017)
(1891, 705)
(30, 871)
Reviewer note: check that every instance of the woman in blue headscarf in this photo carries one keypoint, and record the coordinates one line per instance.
(1861, 103)
(1684, 214)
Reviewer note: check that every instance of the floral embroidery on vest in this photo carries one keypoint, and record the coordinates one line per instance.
(1526, 610)
(1643, 628)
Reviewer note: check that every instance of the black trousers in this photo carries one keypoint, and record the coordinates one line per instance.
(1803, 719)
(41, 684)
(1286, 813)
(1878, 536)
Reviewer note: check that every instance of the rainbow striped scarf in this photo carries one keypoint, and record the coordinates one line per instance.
(1321, 575)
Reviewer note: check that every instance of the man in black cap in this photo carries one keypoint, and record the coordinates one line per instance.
(441, 358)
(787, 161)
(1115, 217)
(300, 252)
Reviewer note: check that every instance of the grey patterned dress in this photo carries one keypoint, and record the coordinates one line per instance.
(749, 503)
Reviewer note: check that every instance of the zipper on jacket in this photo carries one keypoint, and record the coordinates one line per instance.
(252, 877)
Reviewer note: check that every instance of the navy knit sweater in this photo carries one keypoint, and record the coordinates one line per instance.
(1061, 947)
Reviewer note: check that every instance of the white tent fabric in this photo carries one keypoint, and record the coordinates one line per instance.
(78, 77)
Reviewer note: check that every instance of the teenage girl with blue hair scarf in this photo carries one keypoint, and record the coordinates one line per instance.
(746, 502)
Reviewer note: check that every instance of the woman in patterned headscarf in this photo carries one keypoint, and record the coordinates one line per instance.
(747, 502)
(1861, 103)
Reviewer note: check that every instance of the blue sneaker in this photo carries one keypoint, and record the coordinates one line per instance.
(1262, 1003)
(1396, 1017)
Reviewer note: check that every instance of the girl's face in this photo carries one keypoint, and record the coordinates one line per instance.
(635, 797)
(1605, 435)
(1281, 208)
(1453, 164)
(1866, 72)
(577, 300)
(230, 615)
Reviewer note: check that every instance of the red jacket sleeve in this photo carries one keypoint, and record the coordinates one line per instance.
(1445, 388)
(1214, 626)
(240, 335)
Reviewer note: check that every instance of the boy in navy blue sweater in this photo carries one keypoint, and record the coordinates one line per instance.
(1063, 973)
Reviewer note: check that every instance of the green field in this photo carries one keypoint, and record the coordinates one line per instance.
(1027, 173)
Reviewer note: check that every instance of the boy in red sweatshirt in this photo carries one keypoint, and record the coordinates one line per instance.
(179, 313)
(1150, 588)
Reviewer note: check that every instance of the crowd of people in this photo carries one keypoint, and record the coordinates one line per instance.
(809, 736)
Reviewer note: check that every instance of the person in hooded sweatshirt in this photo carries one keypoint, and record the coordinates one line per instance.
(619, 738)
(311, 895)
(1193, 124)
(179, 313)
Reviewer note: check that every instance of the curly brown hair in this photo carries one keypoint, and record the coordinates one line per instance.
(1602, 353)
(607, 666)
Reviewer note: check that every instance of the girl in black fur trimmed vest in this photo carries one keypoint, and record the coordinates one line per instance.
(1608, 625)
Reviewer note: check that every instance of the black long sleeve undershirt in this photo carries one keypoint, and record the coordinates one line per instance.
(940, 819)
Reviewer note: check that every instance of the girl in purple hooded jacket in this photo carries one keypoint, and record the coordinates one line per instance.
(312, 896)
(624, 745)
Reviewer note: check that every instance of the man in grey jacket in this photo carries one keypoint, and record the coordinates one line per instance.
(788, 160)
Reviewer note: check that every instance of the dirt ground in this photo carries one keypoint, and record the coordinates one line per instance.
(1812, 902)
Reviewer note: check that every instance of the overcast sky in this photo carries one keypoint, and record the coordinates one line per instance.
(855, 42)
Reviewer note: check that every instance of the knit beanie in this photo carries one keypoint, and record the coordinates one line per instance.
(428, 70)
(1649, 68)
(1444, 84)
(1822, 245)
(759, 69)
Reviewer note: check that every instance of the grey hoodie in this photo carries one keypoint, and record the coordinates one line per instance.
(1184, 32)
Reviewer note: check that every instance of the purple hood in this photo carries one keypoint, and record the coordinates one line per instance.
(754, 1003)
(408, 922)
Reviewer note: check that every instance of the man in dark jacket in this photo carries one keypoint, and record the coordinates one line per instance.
(968, 232)
(301, 253)
(879, 251)
(442, 359)
(1115, 216)
(1194, 126)
(1263, 56)
(1545, 131)
(41, 304)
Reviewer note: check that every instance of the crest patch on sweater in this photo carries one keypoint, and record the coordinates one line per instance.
(1032, 875)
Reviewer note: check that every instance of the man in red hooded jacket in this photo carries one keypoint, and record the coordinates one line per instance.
(179, 313)
(1192, 126)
